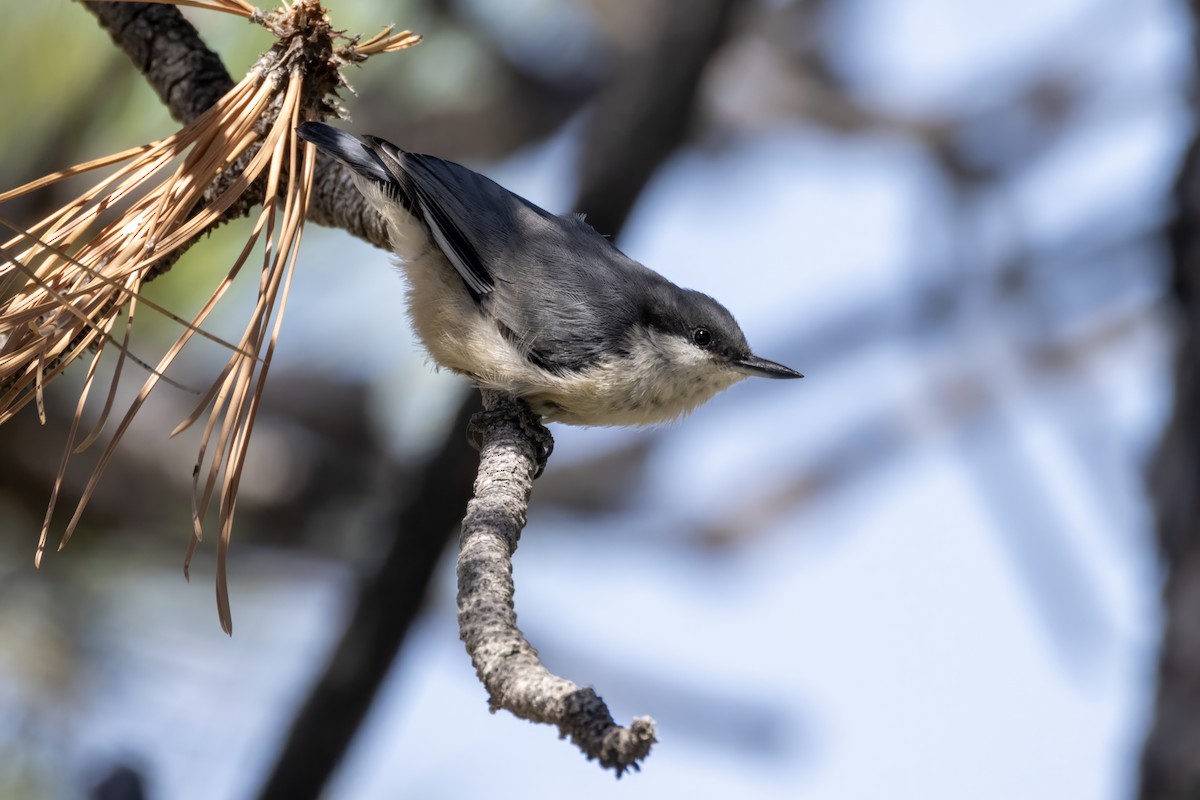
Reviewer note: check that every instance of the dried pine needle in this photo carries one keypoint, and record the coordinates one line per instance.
(66, 280)
(387, 42)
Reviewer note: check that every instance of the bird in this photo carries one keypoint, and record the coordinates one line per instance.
(538, 305)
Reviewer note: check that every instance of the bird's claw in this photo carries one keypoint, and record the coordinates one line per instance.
(538, 433)
(542, 437)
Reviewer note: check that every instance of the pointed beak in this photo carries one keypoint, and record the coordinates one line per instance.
(753, 365)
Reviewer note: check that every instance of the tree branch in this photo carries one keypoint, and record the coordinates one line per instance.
(186, 75)
(506, 663)
(337, 203)
(189, 77)
(1169, 766)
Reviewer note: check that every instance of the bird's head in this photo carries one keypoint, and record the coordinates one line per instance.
(695, 348)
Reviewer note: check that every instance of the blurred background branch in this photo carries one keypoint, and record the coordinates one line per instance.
(1170, 767)
(646, 110)
(387, 601)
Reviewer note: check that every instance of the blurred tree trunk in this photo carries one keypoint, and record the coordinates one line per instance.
(645, 113)
(385, 607)
(1171, 758)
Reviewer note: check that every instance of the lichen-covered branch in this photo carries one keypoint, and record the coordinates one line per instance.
(506, 663)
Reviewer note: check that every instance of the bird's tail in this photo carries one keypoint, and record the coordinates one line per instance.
(346, 148)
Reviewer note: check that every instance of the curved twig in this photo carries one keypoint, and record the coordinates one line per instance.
(506, 663)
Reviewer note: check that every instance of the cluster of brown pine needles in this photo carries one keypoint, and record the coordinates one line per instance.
(73, 281)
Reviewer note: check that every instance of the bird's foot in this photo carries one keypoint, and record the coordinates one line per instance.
(544, 440)
(538, 433)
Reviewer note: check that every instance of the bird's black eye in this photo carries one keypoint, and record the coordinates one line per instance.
(702, 337)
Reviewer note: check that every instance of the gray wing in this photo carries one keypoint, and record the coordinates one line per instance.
(568, 295)
(557, 289)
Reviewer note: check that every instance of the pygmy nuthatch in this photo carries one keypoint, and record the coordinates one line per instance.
(541, 306)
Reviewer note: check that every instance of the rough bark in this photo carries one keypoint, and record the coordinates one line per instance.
(337, 203)
(185, 74)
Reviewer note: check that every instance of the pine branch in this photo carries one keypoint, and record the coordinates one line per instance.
(506, 663)
(189, 77)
